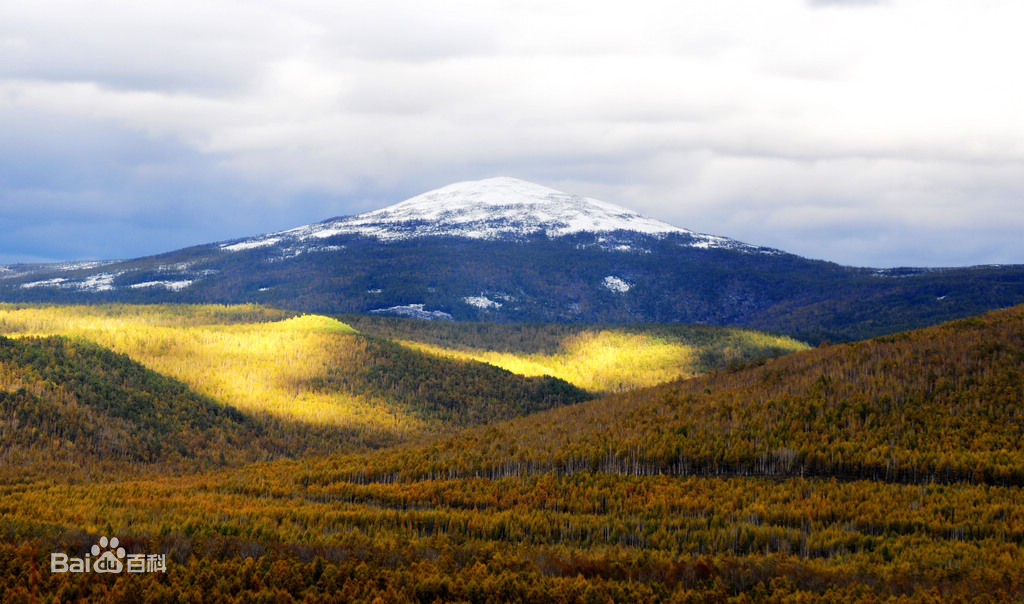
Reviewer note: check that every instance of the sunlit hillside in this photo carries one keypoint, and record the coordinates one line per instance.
(71, 410)
(602, 359)
(253, 366)
(308, 368)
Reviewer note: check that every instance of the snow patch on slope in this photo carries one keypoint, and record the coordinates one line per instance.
(81, 266)
(616, 285)
(55, 282)
(482, 302)
(250, 244)
(101, 282)
(174, 286)
(415, 311)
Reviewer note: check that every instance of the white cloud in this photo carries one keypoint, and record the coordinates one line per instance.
(721, 117)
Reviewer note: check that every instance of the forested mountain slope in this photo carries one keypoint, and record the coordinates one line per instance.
(938, 404)
(71, 409)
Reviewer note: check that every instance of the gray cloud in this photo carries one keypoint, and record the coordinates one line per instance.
(864, 137)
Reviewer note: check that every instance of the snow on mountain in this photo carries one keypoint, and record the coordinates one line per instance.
(482, 302)
(175, 286)
(414, 311)
(56, 281)
(252, 244)
(616, 284)
(101, 282)
(493, 208)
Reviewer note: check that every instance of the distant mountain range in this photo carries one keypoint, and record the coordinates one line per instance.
(506, 250)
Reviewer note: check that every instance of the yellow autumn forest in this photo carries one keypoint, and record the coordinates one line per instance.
(272, 456)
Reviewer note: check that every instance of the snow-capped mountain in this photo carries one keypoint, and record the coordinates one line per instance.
(493, 208)
(503, 249)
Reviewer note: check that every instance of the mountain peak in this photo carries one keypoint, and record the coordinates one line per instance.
(492, 208)
(500, 207)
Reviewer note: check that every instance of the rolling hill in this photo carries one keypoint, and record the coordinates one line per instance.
(294, 384)
(311, 373)
(940, 404)
(603, 359)
(70, 408)
(318, 369)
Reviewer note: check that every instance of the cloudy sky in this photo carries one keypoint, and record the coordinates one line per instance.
(872, 133)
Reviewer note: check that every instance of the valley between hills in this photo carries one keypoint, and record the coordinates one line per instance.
(272, 455)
